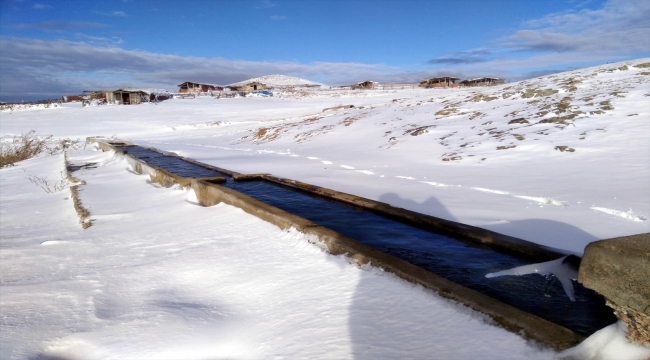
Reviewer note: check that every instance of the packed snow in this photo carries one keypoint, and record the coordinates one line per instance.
(560, 160)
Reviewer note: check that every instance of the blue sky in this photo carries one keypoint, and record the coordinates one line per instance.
(52, 48)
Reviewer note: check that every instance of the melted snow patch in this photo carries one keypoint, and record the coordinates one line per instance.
(542, 200)
(312, 158)
(347, 167)
(326, 162)
(367, 172)
(405, 177)
(628, 215)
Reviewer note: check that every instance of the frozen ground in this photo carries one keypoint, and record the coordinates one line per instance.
(157, 276)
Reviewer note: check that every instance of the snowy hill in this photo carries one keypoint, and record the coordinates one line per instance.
(462, 124)
(278, 81)
(569, 148)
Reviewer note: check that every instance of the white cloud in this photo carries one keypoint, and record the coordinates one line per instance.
(61, 25)
(97, 40)
(620, 27)
(111, 13)
(265, 4)
(41, 6)
(617, 31)
(278, 17)
(59, 67)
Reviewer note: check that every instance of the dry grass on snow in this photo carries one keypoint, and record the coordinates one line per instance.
(23, 147)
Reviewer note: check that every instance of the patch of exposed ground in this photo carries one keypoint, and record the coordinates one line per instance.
(84, 215)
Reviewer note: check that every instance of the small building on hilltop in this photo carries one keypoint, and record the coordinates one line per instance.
(368, 84)
(483, 81)
(439, 82)
(195, 87)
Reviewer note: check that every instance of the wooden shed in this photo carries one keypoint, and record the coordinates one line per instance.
(134, 96)
(125, 96)
(368, 84)
(439, 82)
(195, 87)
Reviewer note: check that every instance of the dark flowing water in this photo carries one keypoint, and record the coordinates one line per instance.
(462, 262)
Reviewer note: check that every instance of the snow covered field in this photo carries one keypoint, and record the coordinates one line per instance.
(157, 276)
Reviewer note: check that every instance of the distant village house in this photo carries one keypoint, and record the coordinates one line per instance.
(368, 84)
(440, 82)
(133, 96)
(70, 98)
(483, 81)
(251, 86)
(194, 87)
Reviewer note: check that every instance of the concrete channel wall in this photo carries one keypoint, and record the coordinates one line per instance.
(619, 269)
(210, 193)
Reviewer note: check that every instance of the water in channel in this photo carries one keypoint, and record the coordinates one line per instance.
(462, 262)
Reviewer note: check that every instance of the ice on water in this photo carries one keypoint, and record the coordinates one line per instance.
(564, 268)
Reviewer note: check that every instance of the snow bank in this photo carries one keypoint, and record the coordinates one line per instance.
(18, 107)
(607, 344)
(158, 276)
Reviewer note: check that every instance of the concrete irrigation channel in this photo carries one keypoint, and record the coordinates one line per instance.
(447, 257)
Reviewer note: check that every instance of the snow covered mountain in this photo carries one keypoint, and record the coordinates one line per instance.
(278, 81)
